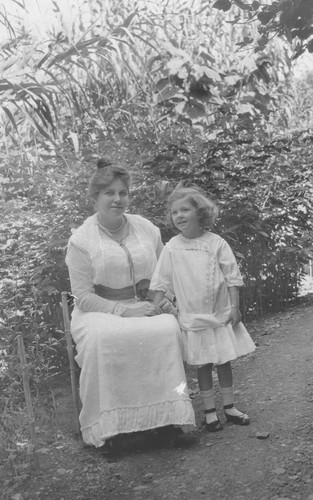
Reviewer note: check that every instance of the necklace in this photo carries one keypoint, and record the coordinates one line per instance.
(114, 230)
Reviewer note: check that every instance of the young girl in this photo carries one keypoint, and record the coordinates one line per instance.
(200, 269)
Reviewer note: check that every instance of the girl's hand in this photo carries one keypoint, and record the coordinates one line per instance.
(166, 306)
(234, 316)
(142, 309)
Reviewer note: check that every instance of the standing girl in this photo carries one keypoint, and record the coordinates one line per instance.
(200, 269)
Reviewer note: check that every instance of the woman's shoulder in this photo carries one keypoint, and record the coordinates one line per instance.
(139, 220)
(84, 230)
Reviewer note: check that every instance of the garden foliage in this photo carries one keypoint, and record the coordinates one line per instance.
(194, 91)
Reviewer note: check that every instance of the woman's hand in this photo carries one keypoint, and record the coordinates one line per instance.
(234, 316)
(142, 309)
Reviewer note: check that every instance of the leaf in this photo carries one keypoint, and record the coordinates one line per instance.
(39, 127)
(44, 59)
(20, 4)
(8, 112)
(246, 41)
(242, 5)
(75, 141)
(179, 108)
(255, 4)
(245, 108)
(194, 110)
(212, 74)
(207, 57)
(163, 83)
(240, 255)
(175, 64)
(288, 34)
(265, 16)
(224, 5)
(232, 79)
(129, 19)
(169, 93)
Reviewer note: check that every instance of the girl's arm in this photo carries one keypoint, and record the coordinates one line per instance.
(161, 282)
(233, 279)
(160, 299)
(235, 314)
(228, 264)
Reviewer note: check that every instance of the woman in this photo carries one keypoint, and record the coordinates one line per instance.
(132, 375)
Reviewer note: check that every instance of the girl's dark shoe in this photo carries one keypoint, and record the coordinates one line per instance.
(215, 425)
(241, 419)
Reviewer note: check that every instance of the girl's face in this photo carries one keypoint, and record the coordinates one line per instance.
(112, 201)
(185, 218)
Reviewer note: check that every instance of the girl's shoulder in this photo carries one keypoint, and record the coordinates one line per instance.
(174, 241)
(207, 236)
(179, 240)
(213, 237)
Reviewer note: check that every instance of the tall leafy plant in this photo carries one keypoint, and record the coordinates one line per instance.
(115, 64)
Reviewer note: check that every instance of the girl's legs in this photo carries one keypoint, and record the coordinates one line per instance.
(225, 378)
(205, 380)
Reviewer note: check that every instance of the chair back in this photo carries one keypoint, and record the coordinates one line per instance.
(66, 300)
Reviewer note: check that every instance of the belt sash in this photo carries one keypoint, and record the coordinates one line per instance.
(126, 293)
(198, 322)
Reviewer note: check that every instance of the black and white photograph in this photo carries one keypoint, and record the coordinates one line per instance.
(156, 249)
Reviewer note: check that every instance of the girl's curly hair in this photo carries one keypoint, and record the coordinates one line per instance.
(207, 209)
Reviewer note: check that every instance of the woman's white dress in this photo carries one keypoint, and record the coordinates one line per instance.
(199, 271)
(132, 374)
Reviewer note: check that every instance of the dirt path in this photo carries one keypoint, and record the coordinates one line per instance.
(274, 384)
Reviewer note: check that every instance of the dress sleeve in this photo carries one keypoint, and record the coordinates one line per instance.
(80, 271)
(160, 245)
(228, 265)
(162, 276)
(151, 231)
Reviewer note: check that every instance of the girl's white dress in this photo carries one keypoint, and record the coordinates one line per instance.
(132, 375)
(199, 271)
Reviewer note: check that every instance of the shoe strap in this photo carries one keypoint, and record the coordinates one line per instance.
(228, 407)
(212, 410)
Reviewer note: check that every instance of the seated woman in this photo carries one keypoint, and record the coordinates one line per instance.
(132, 375)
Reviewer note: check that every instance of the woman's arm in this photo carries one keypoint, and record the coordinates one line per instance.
(158, 297)
(80, 271)
(159, 246)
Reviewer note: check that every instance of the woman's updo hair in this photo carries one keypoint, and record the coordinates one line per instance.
(207, 209)
(107, 172)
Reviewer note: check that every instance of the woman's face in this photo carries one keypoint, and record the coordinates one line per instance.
(112, 201)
